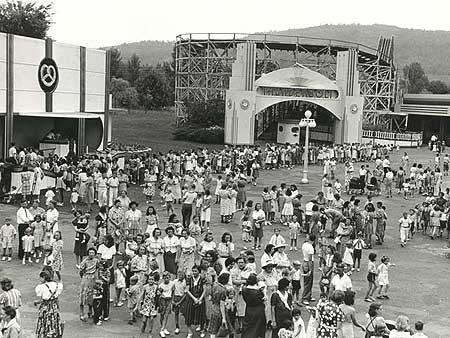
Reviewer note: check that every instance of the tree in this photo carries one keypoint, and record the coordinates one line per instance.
(123, 95)
(415, 79)
(27, 19)
(438, 87)
(153, 88)
(206, 114)
(116, 63)
(133, 68)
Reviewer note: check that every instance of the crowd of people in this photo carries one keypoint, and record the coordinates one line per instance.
(167, 258)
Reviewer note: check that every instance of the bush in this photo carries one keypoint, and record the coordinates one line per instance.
(212, 135)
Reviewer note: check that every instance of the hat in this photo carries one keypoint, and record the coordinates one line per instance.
(281, 245)
(269, 263)
(296, 263)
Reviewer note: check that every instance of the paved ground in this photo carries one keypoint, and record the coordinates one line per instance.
(419, 282)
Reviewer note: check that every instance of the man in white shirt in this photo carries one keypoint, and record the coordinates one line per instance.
(12, 152)
(386, 164)
(308, 258)
(24, 218)
(340, 281)
(404, 225)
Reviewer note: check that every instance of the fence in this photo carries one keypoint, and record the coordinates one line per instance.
(408, 139)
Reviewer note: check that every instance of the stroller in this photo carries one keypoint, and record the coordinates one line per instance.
(356, 186)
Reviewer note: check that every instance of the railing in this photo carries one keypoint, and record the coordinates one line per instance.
(393, 136)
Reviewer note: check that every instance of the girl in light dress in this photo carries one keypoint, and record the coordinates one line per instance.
(151, 220)
(383, 277)
(288, 208)
(294, 230)
(147, 302)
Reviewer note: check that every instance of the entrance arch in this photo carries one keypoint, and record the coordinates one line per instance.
(246, 97)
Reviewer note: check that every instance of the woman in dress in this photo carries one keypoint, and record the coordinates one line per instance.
(171, 245)
(116, 217)
(89, 190)
(186, 255)
(269, 276)
(155, 249)
(193, 307)
(258, 219)
(218, 297)
(139, 264)
(255, 318)
(123, 181)
(225, 248)
(88, 272)
(330, 316)
(133, 218)
(225, 201)
(151, 220)
(57, 246)
(80, 226)
(349, 312)
(281, 305)
(49, 320)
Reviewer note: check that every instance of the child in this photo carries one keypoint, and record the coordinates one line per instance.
(251, 263)
(230, 311)
(299, 324)
(338, 186)
(48, 256)
(329, 194)
(294, 229)
(277, 239)
(8, 234)
(296, 284)
(74, 199)
(347, 259)
(287, 329)
(97, 301)
(358, 245)
(38, 227)
(383, 277)
(57, 258)
(28, 241)
(132, 298)
(419, 330)
(179, 291)
(148, 302)
(246, 229)
(165, 290)
(168, 200)
(119, 278)
(325, 279)
(49, 196)
(371, 277)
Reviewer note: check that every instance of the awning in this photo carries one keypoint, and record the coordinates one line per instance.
(73, 115)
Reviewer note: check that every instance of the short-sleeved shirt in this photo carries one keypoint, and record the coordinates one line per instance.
(166, 289)
(105, 252)
(343, 283)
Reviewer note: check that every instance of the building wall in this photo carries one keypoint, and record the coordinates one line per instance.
(2, 74)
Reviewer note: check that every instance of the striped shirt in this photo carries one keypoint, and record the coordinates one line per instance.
(12, 298)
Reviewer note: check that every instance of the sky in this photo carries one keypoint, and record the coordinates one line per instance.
(97, 23)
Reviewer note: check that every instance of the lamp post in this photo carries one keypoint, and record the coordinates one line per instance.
(307, 123)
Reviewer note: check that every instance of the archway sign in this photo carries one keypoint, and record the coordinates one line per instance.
(247, 97)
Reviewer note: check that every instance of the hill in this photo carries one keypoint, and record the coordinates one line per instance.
(430, 48)
(151, 52)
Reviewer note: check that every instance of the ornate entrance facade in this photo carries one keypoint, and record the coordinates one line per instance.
(246, 98)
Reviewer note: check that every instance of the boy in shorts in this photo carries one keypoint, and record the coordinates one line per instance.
(7, 234)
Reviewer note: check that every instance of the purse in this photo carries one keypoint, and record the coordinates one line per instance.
(223, 331)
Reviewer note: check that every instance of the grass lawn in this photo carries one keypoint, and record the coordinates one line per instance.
(152, 128)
